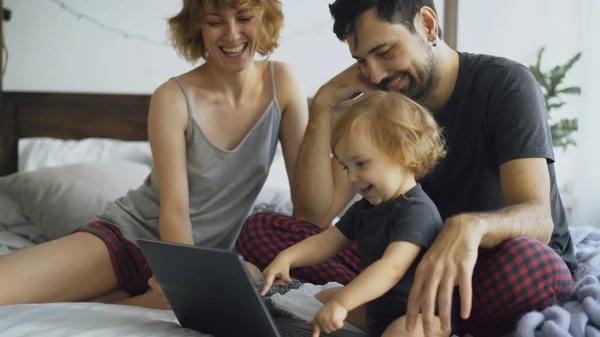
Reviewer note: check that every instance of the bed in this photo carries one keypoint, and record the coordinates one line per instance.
(64, 156)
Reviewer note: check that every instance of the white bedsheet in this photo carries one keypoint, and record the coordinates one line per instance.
(98, 319)
(88, 320)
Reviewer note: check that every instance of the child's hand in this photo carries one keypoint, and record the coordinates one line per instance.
(329, 319)
(278, 272)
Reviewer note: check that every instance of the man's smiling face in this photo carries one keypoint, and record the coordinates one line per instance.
(392, 57)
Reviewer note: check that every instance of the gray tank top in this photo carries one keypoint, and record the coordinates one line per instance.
(223, 185)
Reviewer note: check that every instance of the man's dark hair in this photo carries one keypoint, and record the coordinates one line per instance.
(345, 13)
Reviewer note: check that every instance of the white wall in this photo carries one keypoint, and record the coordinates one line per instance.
(587, 163)
(517, 29)
(51, 49)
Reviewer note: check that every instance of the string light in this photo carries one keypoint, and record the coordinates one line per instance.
(80, 16)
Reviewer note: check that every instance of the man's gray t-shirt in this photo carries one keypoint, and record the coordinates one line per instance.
(412, 217)
(495, 114)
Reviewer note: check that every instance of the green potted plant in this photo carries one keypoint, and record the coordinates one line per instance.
(551, 82)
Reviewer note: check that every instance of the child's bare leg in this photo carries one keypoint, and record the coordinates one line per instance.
(398, 328)
(74, 268)
(356, 317)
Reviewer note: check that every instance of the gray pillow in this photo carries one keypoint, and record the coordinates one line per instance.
(61, 199)
(16, 230)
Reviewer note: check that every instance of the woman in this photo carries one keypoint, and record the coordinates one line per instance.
(213, 133)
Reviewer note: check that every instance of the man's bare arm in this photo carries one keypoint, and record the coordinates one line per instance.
(320, 189)
(526, 192)
(314, 184)
(452, 257)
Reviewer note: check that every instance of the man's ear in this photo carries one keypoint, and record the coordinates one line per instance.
(427, 22)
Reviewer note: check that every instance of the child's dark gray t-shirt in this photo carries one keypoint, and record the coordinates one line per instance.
(412, 217)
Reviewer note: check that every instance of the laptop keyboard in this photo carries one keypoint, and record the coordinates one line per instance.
(296, 331)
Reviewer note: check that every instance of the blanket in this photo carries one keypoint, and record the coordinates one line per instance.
(297, 300)
(579, 316)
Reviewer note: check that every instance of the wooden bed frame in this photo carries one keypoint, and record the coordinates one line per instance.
(68, 116)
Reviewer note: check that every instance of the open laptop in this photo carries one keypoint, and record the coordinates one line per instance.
(211, 291)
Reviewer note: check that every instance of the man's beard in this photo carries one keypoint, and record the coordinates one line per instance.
(427, 74)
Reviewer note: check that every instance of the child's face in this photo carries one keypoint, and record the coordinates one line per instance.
(374, 176)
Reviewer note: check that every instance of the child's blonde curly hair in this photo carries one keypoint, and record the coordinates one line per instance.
(401, 128)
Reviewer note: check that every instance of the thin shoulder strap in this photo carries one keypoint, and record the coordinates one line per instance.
(187, 99)
(272, 79)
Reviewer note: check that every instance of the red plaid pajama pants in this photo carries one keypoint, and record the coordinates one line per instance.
(130, 266)
(518, 276)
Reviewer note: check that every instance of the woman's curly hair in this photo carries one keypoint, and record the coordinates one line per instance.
(401, 128)
(185, 27)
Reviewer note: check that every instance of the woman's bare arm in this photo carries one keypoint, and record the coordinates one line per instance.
(167, 123)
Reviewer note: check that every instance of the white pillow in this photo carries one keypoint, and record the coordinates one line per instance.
(61, 199)
(40, 152)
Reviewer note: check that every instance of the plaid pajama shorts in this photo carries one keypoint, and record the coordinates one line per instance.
(518, 276)
(130, 266)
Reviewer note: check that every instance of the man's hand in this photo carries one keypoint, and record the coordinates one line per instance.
(345, 86)
(449, 262)
(278, 272)
(329, 319)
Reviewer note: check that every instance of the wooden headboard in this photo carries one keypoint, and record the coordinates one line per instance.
(68, 116)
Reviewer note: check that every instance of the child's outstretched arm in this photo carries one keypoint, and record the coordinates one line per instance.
(310, 251)
(380, 276)
(372, 283)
